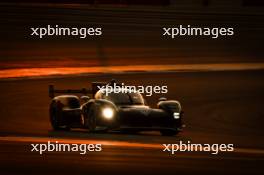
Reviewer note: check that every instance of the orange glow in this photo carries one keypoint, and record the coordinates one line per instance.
(79, 141)
(108, 143)
(35, 72)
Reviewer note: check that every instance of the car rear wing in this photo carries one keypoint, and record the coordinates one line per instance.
(95, 87)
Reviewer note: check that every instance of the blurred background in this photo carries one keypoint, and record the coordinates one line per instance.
(132, 32)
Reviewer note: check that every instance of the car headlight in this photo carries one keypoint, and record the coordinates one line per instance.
(108, 113)
(176, 115)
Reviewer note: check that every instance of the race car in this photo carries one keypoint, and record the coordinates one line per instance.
(125, 111)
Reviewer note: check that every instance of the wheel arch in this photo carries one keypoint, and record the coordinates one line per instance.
(170, 106)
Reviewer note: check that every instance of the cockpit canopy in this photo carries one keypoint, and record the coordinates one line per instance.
(70, 101)
(121, 98)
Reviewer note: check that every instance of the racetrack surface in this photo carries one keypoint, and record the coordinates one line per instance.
(215, 112)
(16, 158)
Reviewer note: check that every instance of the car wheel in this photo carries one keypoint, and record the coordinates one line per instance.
(169, 132)
(90, 118)
(54, 118)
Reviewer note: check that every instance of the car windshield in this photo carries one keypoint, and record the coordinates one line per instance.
(125, 98)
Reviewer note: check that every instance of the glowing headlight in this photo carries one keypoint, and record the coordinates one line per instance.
(108, 113)
(176, 115)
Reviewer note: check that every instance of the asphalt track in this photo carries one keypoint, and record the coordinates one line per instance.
(215, 112)
(123, 159)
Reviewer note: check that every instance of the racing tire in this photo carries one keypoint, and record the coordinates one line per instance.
(54, 118)
(90, 118)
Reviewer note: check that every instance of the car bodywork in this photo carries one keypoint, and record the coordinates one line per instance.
(114, 111)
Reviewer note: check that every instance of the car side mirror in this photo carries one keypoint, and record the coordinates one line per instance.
(162, 99)
(85, 99)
